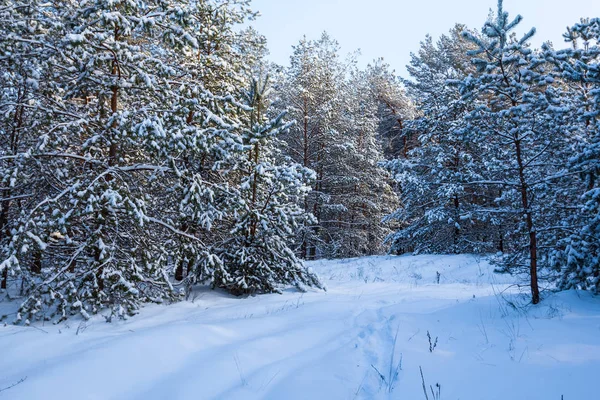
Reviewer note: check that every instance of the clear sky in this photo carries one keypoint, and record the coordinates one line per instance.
(393, 28)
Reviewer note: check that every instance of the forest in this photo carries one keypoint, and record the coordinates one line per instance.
(150, 147)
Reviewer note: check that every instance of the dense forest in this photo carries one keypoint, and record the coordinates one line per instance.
(147, 147)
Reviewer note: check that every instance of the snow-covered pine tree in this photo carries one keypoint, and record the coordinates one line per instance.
(225, 53)
(335, 136)
(310, 94)
(208, 171)
(24, 64)
(257, 256)
(394, 108)
(578, 261)
(523, 142)
(126, 163)
(437, 213)
(92, 229)
(355, 179)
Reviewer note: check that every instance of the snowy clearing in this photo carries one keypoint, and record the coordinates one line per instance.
(365, 338)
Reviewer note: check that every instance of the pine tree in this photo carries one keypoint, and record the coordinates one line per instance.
(336, 136)
(91, 232)
(127, 153)
(24, 64)
(524, 142)
(434, 170)
(356, 180)
(578, 260)
(394, 109)
(310, 93)
(257, 256)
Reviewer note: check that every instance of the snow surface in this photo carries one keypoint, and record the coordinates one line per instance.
(346, 343)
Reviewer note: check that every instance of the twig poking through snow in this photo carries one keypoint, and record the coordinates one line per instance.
(432, 343)
(13, 385)
(437, 394)
(395, 368)
(381, 377)
(424, 386)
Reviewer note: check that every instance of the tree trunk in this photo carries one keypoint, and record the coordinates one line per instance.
(5, 205)
(305, 162)
(100, 271)
(4, 278)
(317, 205)
(114, 104)
(456, 228)
(179, 270)
(72, 266)
(112, 151)
(114, 147)
(254, 225)
(36, 267)
(524, 189)
(501, 230)
(303, 248)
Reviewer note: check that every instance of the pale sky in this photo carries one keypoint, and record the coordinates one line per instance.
(393, 28)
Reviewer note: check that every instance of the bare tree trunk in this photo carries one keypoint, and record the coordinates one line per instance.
(303, 248)
(317, 206)
(179, 269)
(4, 282)
(524, 189)
(456, 228)
(456, 207)
(114, 103)
(500, 230)
(72, 266)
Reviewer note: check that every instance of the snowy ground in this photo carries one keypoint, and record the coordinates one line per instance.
(365, 338)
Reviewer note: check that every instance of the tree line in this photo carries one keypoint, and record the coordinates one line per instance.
(148, 147)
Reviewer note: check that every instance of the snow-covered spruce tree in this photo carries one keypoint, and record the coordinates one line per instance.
(523, 141)
(257, 256)
(579, 69)
(438, 206)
